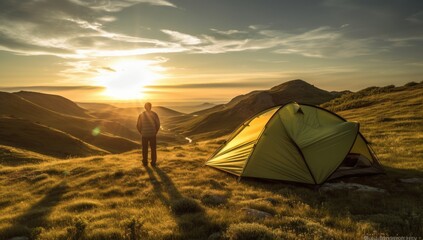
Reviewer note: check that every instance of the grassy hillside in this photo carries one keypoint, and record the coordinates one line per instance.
(114, 197)
(54, 102)
(42, 139)
(223, 119)
(112, 136)
(12, 156)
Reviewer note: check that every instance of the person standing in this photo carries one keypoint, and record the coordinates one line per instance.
(148, 126)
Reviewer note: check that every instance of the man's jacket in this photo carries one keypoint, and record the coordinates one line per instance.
(148, 124)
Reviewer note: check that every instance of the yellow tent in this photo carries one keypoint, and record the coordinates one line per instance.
(296, 142)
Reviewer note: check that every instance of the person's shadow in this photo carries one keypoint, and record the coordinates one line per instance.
(37, 214)
(192, 225)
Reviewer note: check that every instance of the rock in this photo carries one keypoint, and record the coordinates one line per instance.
(411, 180)
(215, 236)
(254, 213)
(217, 185)
(271, 201)
(327, 187)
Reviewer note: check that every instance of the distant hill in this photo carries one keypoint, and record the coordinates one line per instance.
(128, 117)
(190, 107)
(54, 103)
(133, 112)
(370, 96)
(222, 119)
(95, 106)
(35, 137)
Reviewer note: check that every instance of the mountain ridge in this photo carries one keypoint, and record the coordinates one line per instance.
(241, 107)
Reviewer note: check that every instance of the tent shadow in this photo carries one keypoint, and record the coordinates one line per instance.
(193, 223)
(37, 214)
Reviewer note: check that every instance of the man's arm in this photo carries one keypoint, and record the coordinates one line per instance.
(139, 123)
(157, 121)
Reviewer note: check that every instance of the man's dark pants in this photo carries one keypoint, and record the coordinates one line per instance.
(145, 142)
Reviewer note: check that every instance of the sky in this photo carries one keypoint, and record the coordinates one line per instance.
(205, 50)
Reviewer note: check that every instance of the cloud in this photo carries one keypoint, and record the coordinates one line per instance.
(117, 5)
(50, 88)
(321, 42)
(72, 29)
(325, 42)
(108, 69)
(230, 34)
(406, 41)
(183, 38)
(252, 80)
(416, 18)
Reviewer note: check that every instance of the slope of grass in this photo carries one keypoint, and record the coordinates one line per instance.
(111, 196)
(38, 138)
(113, 136)
(54, 103)
(11, 156)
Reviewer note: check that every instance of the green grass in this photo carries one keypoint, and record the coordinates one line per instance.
(115, 197)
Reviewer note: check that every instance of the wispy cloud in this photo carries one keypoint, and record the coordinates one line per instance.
(210, 85)
(406, 41)
(416, 18)
(322, 42)
(50, 88)
(183, 38)
(117, 5)
(76, 29)
(72, 29)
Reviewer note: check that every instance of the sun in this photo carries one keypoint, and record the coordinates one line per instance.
(125, 80)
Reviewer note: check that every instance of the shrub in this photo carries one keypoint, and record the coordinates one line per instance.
(185, 205)
(40, 177)
(133, 229)
(262, 206)
(118, 174)
(36, 232)
(249, 231)
(213, 199)
(82, 205)
(411, 84)
(78, 230)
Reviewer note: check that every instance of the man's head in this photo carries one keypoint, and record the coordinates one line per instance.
(147, 106)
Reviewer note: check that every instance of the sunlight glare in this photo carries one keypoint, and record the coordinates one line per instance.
(125, 80)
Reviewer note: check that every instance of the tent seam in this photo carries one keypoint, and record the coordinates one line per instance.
(302, 156)
(243, 125)
(258, 139)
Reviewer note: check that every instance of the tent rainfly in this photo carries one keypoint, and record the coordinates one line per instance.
(298, 143)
